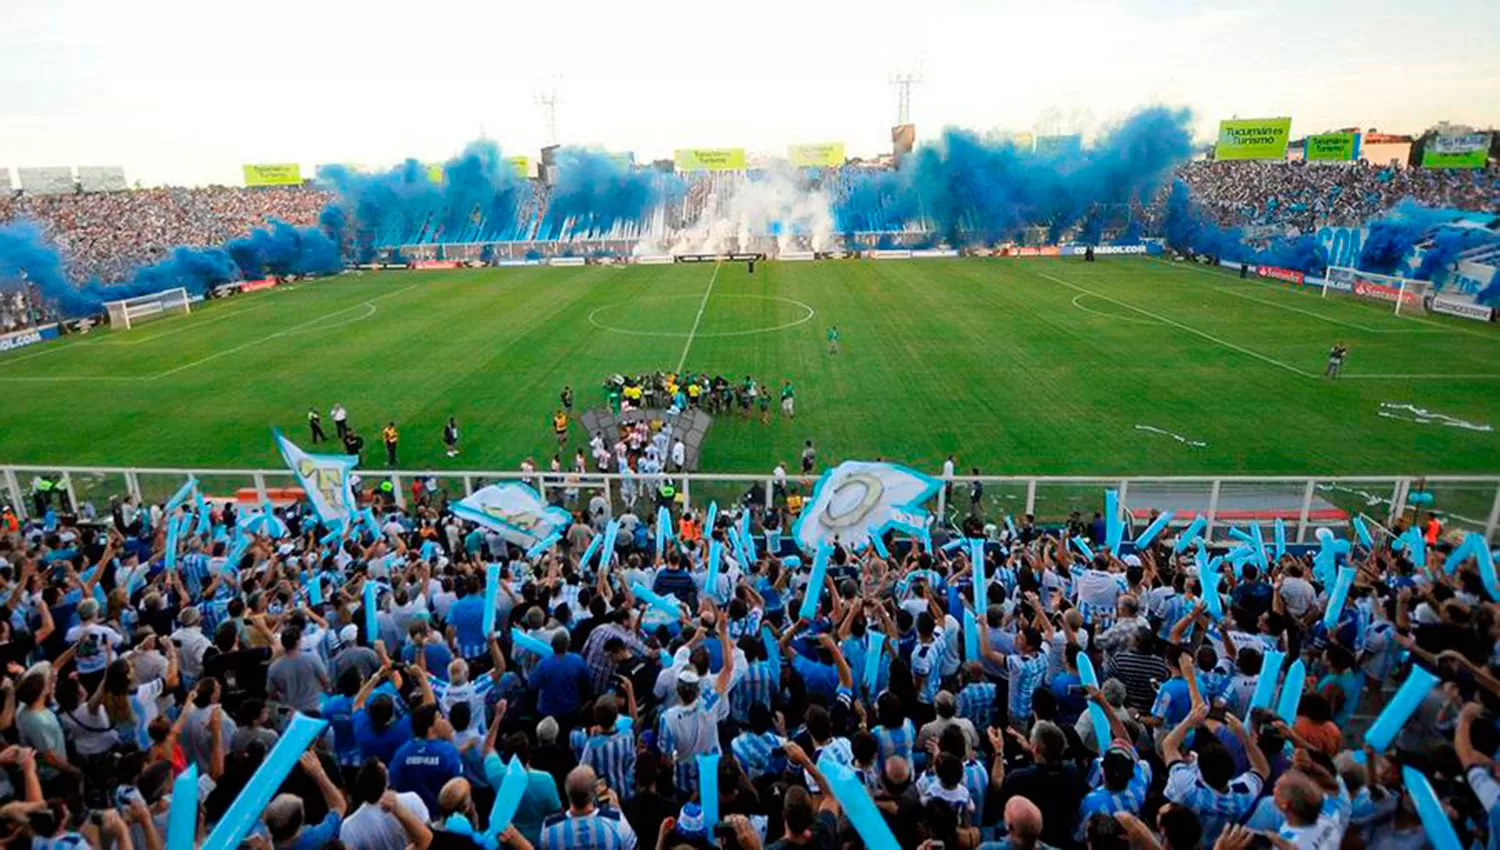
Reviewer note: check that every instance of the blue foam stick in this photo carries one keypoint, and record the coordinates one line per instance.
(1260, 547)
(1400, 708)
(174, 527)
(182, 819)
(1486, 560)
(1152, 530)
(747, 538)
(1462, 552)
(809, 608)
(246, 808)
(335, 533)
(372, 623)
(981, 576)
(491, 594)
(1415, 546)
(871, 673)
(741, 552)
(611, 531)
(205, 516)
(1114, 529)
(315, 588)
(859, 808)
(508, 798)
(648, 596)
(878, 541)
(1434, 817)
(1097, 718)
(708, 789)
(1242, 535)
(1194, 529)
(1210, 578)
(927, 541)
(1010, 524)
(952, 545)
(1265, 686)
(715, 557)
(1278, 534)
(592, 549)
(1363, 533)
(181, 495)
(708, 521)
(237, 551)
(429, 548)
(543, 545)
(662, 519)
(1337, 598)
(1083, 547)
(971, 636)
(521, 640)
(773, 655)
(1291, 692)
(791, 562)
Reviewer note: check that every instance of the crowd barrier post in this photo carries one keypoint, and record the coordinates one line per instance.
(1213, 511)
(1306, 512)
(1031, 496)
(1494, 518)
(260, 487)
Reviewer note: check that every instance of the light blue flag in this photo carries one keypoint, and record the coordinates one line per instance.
(1114, 529)
(746, 537)
(858, 499)
(1193, 531)
(611, 531)
(508, 798)
(181, 495)
(773, 655)
(1338, 597)
(871, 672)
(708, 790)
(651, 598)
(1265, 685)
(521, 640)
(981, 577)
(372, 622)
(1430, 810)
(1155, 528)
(182, 818)
(858, 807)
(1083, 546)
(971, 636)
(593, 548)
(1291, 692)
(1400, 708)
(1097, 718)
(326, 479)
(514, 511)
(663, 521)
(247, 807)
(1278, 533)
(809, 608)
(491, 594)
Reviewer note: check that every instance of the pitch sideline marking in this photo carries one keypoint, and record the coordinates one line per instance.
(241, 347)
(1176, 324)
(703, 305)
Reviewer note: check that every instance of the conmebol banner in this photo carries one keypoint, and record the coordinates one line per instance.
(1253, 138)
(857, 499)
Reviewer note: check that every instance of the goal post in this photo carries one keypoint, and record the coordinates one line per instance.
(128, 312)
(1407, 294)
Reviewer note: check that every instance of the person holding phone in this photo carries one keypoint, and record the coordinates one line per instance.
(587, 823)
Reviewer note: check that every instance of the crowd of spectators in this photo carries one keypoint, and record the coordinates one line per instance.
(950, 710)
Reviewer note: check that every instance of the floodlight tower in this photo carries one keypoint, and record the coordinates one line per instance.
(547, 100)
(903, 83)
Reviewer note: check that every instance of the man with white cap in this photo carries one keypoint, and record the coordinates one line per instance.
(97, 644)
(691, 728)
(193, 643)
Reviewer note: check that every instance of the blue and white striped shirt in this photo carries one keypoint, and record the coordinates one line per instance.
(927, 660)
(754, 687)
(601, 829)
(754, 753)
(1101, 800)
(611, 756)
(1215, 809)
(977, 703)
(1025, 673)
(894, 742)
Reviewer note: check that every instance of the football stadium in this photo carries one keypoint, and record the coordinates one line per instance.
(1001, 484)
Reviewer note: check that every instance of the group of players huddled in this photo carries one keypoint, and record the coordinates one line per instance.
(715, 394)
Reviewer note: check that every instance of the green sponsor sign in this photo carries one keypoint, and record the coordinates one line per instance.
(1253, 138)
(1332, 147)
(1467, 151)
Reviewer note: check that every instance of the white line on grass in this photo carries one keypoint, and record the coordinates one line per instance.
(241, 347)
(703, 305)
(186, 327)
(1176, 324)
(1111, 315)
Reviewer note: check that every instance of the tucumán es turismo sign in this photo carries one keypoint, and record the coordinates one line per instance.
(1253, 138)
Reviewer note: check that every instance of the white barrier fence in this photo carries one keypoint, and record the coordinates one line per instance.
(1304, 504)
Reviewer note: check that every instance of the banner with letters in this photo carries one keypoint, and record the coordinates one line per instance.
(1332, 147)
(274, 174)
(816, 155)
(325, 479)
(1253, 138)
(29, 336)
(858, 499)
(709, 159)
(1462, 307)
(515, 511)
(1341, 244)
(1471, 150)
(520, 165)
(1277, 273)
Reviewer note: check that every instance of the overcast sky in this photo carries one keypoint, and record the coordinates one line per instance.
(184, 92)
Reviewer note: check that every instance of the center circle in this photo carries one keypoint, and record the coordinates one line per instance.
(808, 313)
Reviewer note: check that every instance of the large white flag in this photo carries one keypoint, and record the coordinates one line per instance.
(857, 499)
(325, 479)
(515, 511)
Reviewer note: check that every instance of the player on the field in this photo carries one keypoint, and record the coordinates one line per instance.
(315, 422)
(450, 436)
(566, 397)
(833, 339)
(1336, 357)
(560, 426)
(788, 401)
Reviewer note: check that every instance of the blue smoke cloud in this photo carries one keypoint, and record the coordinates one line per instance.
(284, 250)
(1186, 229)
(974, 190)
(595, 196)
(1447, 245)
(26, 252)
(1392, 237)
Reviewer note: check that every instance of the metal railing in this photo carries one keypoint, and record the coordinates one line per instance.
(1304, 503)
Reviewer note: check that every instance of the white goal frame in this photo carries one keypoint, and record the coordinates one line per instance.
(127, 312)
(1379, 287)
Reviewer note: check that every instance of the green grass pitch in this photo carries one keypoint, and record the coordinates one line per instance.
(1040, 366)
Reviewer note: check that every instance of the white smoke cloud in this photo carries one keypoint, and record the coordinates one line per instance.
(730, 213)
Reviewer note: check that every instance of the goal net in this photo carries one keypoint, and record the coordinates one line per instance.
(1408, 295)
(129, 312)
